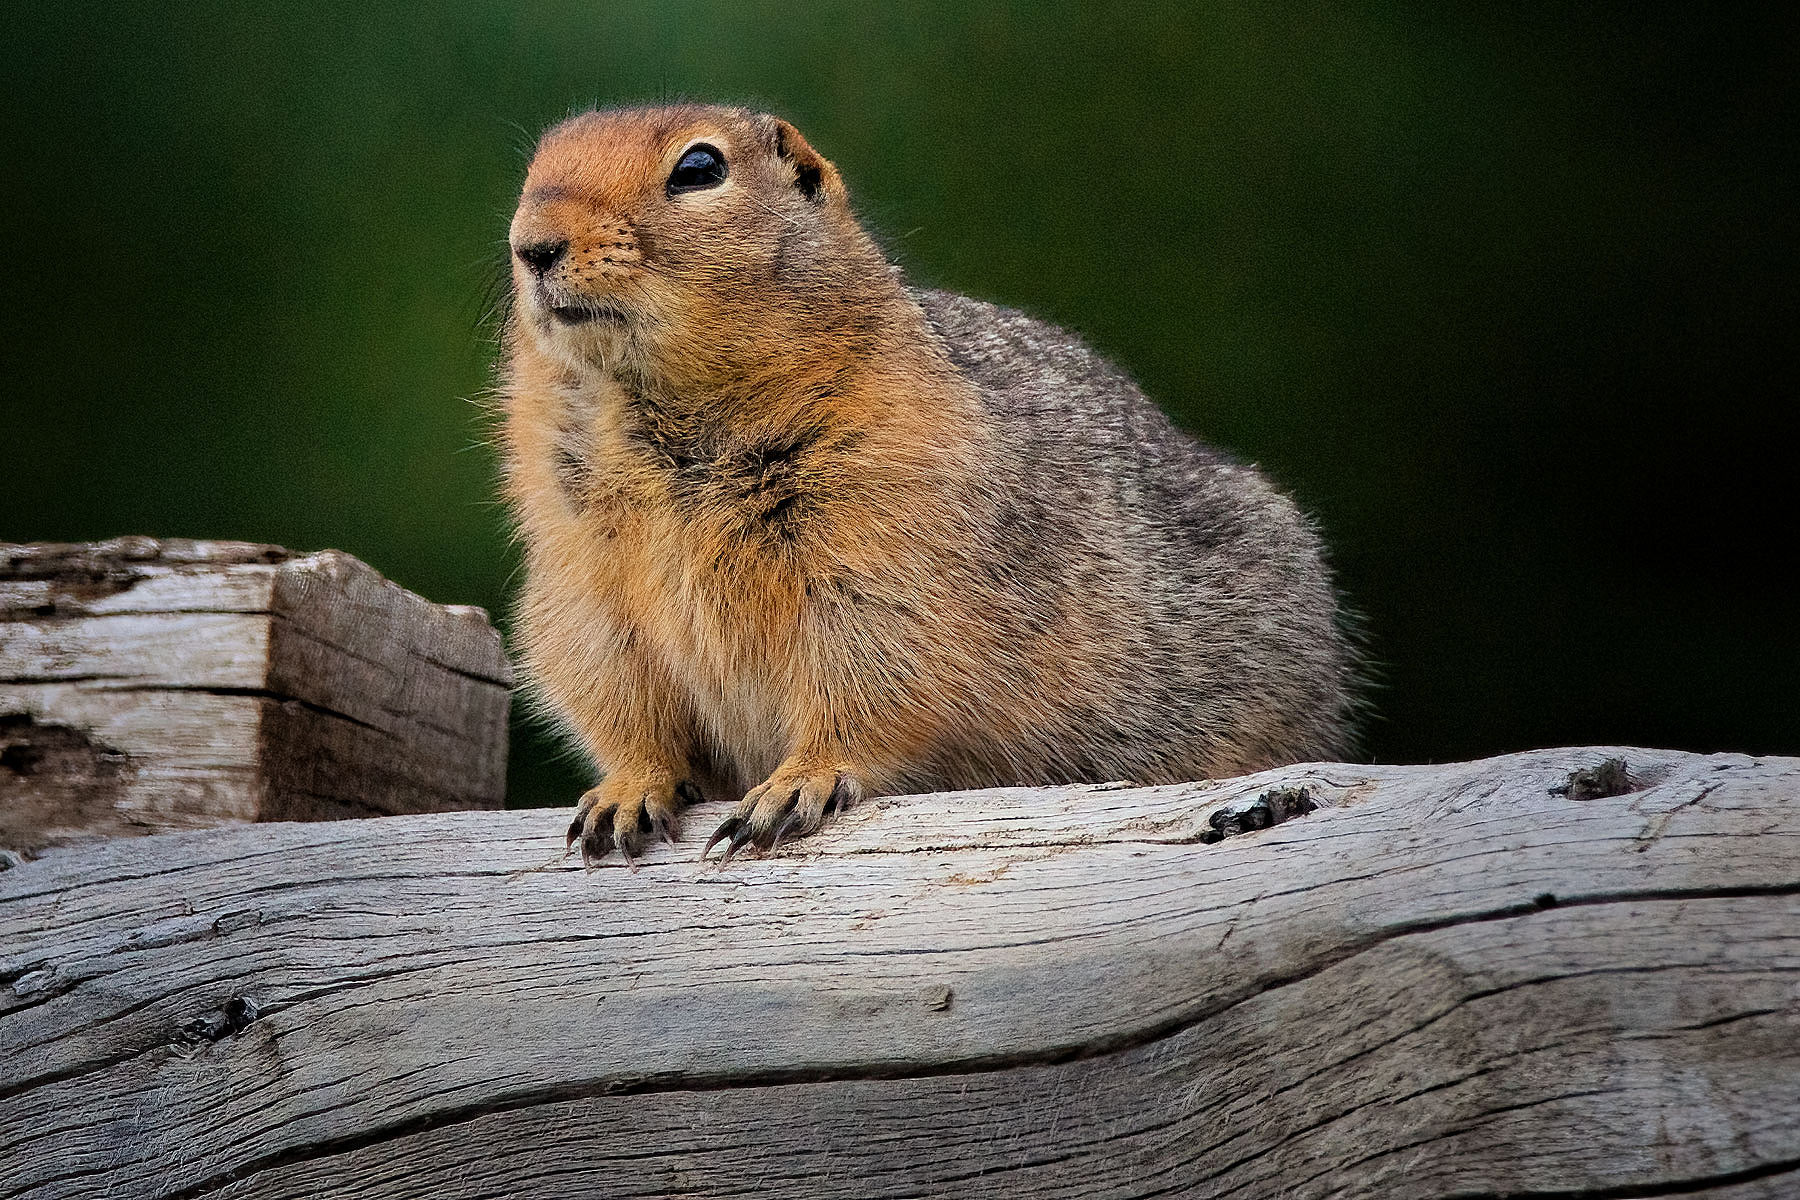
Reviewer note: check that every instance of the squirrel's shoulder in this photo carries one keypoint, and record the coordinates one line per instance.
(1038, 378)
(1063, 411)
(1011, 353)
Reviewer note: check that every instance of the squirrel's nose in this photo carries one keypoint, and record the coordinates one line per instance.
(541, 256)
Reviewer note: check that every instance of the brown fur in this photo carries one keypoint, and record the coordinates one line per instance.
(777, 534)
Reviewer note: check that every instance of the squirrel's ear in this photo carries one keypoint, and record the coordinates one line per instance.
(814, 177)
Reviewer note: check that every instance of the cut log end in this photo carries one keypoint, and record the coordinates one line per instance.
(151, 685)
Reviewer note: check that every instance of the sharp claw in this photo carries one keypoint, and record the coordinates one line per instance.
(844, 794)
(726, 828)
(662, 828)
(625, 853)
(574, 832)
(737, 843)
(781, 830)
(768, 841)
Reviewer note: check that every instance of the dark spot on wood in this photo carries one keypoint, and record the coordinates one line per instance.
(110, 567)
(21, 758)
(1545, 900)
(239, 1012)
(1610, 778)
(72, 594)
(234, 1016)
(1289, 802)
(55, 776)
(1271, 808)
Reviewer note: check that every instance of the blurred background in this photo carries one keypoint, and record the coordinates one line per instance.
(1507, 301)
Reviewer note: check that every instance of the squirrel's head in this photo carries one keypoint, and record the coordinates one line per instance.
(679, 240)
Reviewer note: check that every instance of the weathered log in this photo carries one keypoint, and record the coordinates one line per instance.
(152, 685)
(1475, 980)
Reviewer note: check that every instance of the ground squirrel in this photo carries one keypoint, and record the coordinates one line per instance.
(793, 526)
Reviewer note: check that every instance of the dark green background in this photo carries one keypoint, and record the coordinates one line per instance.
(1508, 302)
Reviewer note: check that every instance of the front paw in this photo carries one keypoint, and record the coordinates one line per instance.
(790, 803)
(625, 809)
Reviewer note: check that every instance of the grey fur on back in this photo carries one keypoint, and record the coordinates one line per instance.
(1225, 646)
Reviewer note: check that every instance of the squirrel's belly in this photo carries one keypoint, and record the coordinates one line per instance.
(741, 669)
(747, 732)
(732, 682)
(727, 635)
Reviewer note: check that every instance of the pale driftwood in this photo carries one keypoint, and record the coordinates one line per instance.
(147, 686)
(1447, 981)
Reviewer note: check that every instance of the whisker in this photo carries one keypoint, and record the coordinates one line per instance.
(792, 224)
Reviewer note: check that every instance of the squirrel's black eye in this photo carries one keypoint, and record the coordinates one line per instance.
(701, 167)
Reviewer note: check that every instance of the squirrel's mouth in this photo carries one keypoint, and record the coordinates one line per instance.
(584, 314)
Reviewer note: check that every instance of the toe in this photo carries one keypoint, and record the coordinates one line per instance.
(847, 793)
(808, 812)
(623, 815)
(629, 824)
(771, 809)
(662, 814)
(738, 827)
(582, 825)
(741, 826)
(596, 843)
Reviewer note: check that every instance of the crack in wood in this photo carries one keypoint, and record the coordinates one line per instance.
(695, 1082)
(1688, 1186)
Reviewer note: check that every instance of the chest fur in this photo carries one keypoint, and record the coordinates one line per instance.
(699, 539)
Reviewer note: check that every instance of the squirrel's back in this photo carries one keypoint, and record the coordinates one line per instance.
(1227, 652)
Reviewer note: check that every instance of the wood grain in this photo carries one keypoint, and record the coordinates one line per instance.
(152, 685)
(1446, 981)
